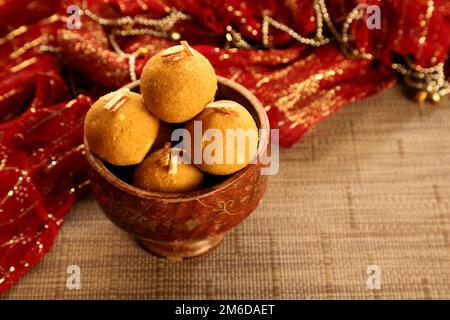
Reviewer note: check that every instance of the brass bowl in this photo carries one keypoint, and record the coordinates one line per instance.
(184, 225)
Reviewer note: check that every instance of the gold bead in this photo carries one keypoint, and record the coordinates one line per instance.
(175, 36)
(435, 97)
(421, 96)
(142, 51)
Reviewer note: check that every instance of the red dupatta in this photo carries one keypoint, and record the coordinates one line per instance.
(50, 74)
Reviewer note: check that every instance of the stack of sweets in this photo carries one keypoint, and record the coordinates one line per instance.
(178, 86)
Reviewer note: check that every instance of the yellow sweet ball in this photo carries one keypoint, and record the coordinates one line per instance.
(177, 83)
(163, 172)
(227, 139)
(119, 128)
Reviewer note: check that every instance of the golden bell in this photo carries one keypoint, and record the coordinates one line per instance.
(142, 51)
(421, 96)
(435, 97)
(175, 36)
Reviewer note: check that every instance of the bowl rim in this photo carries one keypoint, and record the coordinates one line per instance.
(98, 165)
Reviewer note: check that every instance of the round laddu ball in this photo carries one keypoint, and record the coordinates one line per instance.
(160, 173)
(119, 128)
(177, 83)
(224, 138)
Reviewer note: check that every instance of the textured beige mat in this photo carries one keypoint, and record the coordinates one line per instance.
(369, 186)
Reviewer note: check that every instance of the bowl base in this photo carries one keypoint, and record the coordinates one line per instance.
(181, 249)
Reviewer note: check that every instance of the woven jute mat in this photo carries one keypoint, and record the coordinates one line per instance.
(369, 186)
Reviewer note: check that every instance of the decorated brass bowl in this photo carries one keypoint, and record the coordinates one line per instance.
(184, 225)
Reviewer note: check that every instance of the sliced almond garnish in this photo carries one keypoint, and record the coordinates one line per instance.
(120, 103)
(176, 58)
(173, 165)
(115, 99)
(224, 106)
(169, 158)
(109, 96)
(176, 53)
(187, 48)
(172, 50)
(221, 104)
(164, 161)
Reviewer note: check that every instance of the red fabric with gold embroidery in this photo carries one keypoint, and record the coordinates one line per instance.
(45, 66)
